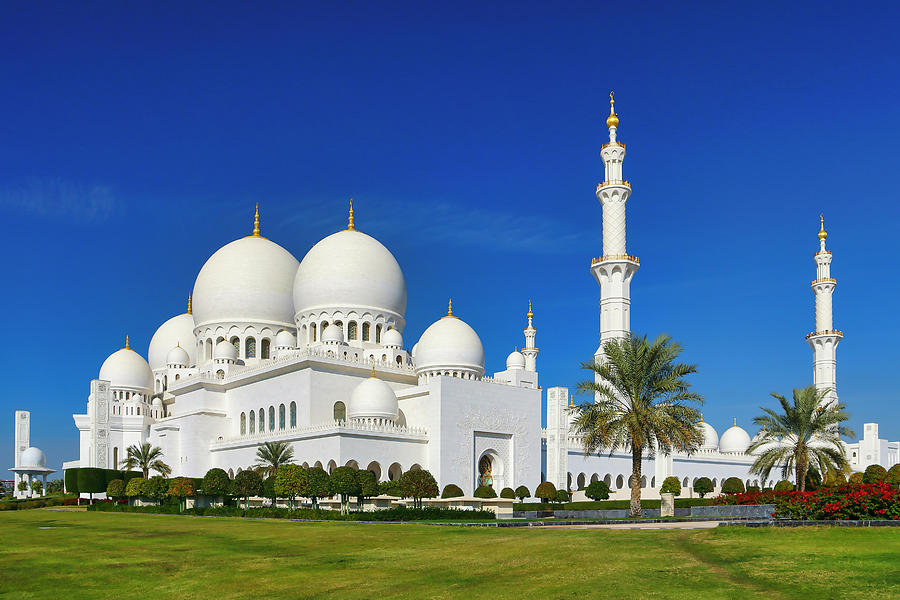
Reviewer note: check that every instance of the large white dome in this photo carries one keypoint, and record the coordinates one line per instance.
(126, 368)
(373, 399)
(710, 437)
(248, 280)
(350, 270)
(734, 440)
(33, 457)
(449, 343)
(179, 330)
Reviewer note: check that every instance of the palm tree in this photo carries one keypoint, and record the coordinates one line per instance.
(272, 455)
(810, 433)
(639, 404)
(146, 458)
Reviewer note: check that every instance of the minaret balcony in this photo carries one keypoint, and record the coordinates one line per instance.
(608, 144)
(615, 257)
(820, 252)
(613, 182)
(823, 280)
(833, 332)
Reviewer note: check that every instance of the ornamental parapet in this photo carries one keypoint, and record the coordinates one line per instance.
(613, 182)
(823, 280)
(330, 427)
(834, 332)
(611, 257)
(608, 144)
(828, 252)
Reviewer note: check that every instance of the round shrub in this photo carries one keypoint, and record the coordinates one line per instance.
(562, 496)
(155, 488)
(215, 483)
(522, 492)
(181, 487)
(784, 486)
(368, 484)
(893, 475)
(485, 491)
(732, 485)
(834, 478)
(874, 474)
(597, 490)
(290, 481)
(392, 488)
(451, 490)
(546, 491)
(855, 479)
(703, 486)
(508, 492)
(671, 485)
(247, 483)
(115, 489)
(133, 488)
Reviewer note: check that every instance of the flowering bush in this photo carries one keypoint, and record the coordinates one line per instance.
(847, 502)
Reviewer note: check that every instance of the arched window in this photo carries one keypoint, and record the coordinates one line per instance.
(378, 334)
(312, 332)
(265, 348)
(293, 414)
(250, 348)
(262, 420)
(271, 418)
(220, 374)
(339, 324)
(281, 417)
(231, 471)
(351, 330)
(243, 423)
(236, 342)
(340, 411)
(365, 335)
(115, 457)
(252, 422)
(208, 349)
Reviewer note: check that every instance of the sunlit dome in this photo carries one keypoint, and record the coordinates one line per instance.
(450, 344)
(710, 437)
(178, 356)
(126, 368)
(333, 333)
(285, 339)
(33, 457)
(392, 338)
(734, 441)
(225, 350)
(373, 399)
(515, 360)
(179, 330)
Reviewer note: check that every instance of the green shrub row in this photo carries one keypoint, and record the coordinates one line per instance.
(25, 503)
(610, 504)
(400, 513)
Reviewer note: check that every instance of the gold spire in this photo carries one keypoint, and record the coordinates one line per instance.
(372, 376)
(189, 304)
(450, 314)
(571, 402)
(701, 417)
(256, 222)
(822, 233)
(350, 226)
(735, 422)
(127, 347)
(612, 120)
(530, 314)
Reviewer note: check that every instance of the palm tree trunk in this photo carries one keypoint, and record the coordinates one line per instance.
(636, 454)
(801, 471)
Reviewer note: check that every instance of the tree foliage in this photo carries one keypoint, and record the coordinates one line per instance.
(671, 485)
(703, 486)
(272, 455)
(134, 486)
(146, 458)
(874, 474)
(418, 484)
(245, 484)
(155, 488)
(344, 483)
(597, 490)
(451, 490)
(115, 489)
(546, 491)
(835, 478)
(368, 485)
(316, 485)
(522, 492)
(733, 485)
(216, 483)
(485, 491)
(290, 481)
(508, 492)
(893, 475)
(784, 486)
(641, 404)
(562, 496)
(855, 478)
(181, 488)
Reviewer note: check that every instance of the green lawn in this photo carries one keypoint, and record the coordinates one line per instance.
(112, 555)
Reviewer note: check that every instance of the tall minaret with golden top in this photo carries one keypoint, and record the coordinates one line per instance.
(825, 339)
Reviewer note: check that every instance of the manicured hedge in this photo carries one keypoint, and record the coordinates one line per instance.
(25, 503)
(71, 481)
(400, 513)
(91, 480)
(610, 504)
(451, 490)
(485, 491)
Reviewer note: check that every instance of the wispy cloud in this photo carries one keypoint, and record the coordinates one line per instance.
(60, 199)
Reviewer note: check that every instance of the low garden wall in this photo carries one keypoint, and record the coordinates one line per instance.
(735, 511)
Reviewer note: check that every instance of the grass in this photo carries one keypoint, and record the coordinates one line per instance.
(116, 555)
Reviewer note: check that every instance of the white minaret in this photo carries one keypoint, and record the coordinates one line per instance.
(824, 340)
(530, 350)
(614, 270)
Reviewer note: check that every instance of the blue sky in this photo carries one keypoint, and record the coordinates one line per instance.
(137, 138)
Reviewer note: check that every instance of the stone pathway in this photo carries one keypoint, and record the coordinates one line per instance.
(638, 525)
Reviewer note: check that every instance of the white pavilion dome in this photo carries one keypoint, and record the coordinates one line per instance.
(392, 338)
(248, 280)
(350, 270)
(734, 440)
(450, 344)
(333, 333)
(285, 339)
(373, 399)
(33, 457)
(177, 330)
(710, 437)
(515, 360)
(178, 356)
(225, 350)
(126, 368)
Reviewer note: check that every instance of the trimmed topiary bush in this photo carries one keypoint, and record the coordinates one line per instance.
(485, 491)
(368, 485)
(451, 490)
(343, 482)
(155, 488)
(133, 487)
(181, 488)
(418, 484)
(703, 486)
(71, 480)
(245, 484)
(855, 478)
(91, 480)
(522, 492)
(732, 485)
(562, 496)
(671, 485)
(390, 488)
(316, 485)
(290, 481)
(546, 492)
(508, 492)
(115, 489)
(597, 490)
(215, 483)
(835, 478)
(893, 475)
(784, 486)
(874, 474)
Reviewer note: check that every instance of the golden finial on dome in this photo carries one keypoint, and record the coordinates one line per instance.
(530, 314)
(612, 120)
(127, 347)
(189, 304)
(701, 417)
(373, 376)
(822, 233)
(450, 307)
(256, 222)
(350, 226)
(735, 422)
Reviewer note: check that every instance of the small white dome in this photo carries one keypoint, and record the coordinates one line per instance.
(350, 270)
(413, 351)
(126, 368)
(225, 350)
(177, 330)
(710, 437)
(178, 356)
(450, 343)
(157, 402)
(136, 398)
(766, 446)
(248, 280)
(285, 339)
(333, 333)
(373, 399)
(515, 360)
(392, 338)
(33, 457)
(734, 441)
